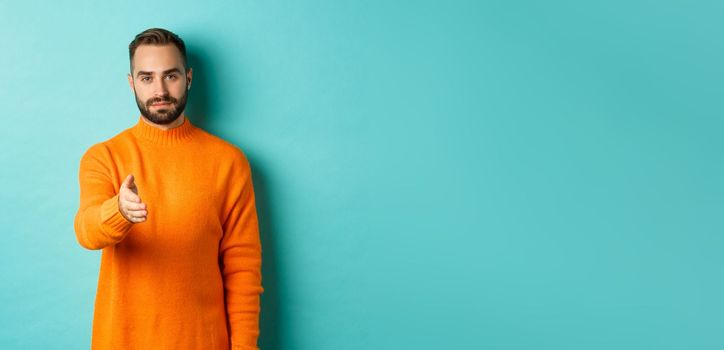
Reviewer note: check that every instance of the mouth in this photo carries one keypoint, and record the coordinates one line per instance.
(161, 104)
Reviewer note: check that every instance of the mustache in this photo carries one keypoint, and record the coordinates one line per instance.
(168, 100)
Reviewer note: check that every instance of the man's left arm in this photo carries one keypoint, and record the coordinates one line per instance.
(240, 261)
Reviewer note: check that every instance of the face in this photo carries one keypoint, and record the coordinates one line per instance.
(159, 82)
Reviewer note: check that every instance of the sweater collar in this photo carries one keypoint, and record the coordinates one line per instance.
(179, 134)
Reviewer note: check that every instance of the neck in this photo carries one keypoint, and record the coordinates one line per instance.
(177, 122)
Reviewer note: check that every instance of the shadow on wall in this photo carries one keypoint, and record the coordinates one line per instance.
(200, 111)
(269, 337)
(197, 107)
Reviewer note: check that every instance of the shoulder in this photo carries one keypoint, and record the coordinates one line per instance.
(103, 153)
(96, 158)
(230, 161)
(106, 147)
(223, 150)
(98, 151)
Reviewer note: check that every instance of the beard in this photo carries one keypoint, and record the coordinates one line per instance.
(166, 115)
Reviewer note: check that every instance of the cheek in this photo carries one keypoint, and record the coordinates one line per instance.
(179, 90)
(141, 93)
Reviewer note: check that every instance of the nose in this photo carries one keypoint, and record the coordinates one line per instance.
(159, 88)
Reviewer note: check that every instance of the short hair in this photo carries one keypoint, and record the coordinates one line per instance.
(156, 36)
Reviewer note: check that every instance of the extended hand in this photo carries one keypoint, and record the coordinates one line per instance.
(129, 203)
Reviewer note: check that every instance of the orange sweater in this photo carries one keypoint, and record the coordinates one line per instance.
(189, 277)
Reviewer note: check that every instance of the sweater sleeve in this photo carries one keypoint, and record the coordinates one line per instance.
(240, 260)
(98, 222)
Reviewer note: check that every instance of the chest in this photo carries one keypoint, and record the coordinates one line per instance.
(184, 200)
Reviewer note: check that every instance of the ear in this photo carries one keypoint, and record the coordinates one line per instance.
(130, 81)
(189, 77)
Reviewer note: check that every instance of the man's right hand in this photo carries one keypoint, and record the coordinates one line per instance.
(129, 203)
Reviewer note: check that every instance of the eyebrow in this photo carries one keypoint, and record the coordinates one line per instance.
(163, 73)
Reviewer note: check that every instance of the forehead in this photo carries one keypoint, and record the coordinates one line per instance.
(152, 58)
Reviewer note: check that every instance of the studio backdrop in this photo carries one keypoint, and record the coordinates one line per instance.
(428, 175)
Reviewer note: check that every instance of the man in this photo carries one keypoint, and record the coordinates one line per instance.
(173, 209)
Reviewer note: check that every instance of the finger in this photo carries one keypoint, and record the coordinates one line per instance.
(137, 220)
(128, 217)
(136, 217)
(130, 197)
(137, 213)
(134, 206)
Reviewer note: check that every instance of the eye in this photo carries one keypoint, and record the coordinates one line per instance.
(171, 76)
(146, 78)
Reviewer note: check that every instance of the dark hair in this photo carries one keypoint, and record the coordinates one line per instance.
(156, 36)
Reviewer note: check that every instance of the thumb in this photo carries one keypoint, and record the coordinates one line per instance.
(128, 182)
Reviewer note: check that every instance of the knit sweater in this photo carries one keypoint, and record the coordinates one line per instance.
(189, 276)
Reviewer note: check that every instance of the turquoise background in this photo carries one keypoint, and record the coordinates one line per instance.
(429, 175)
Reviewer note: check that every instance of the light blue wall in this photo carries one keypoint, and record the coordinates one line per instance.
(429, 175)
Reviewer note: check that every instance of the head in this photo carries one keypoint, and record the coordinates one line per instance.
(160, 77)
